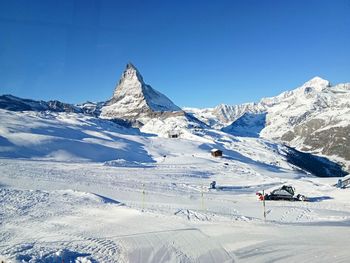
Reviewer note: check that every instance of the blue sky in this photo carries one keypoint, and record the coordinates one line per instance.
(199, 53)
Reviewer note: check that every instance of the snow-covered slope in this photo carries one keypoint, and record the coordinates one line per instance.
(248, 125)
(78, 188)
(67, 137)
(72, 137)
(133, 99)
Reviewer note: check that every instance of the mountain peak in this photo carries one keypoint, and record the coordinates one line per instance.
(131, 73)
(317, 82)
(130, 66)
(133, 97)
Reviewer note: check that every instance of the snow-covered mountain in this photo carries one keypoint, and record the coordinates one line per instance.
(133, 103)
(13, 103)
(80, 185)
(223, 114)
(135, 100)
(314, 117)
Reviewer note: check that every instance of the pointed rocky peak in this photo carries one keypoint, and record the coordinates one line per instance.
(133, 97)
(131, 73)
(131, 81)
(130, 66)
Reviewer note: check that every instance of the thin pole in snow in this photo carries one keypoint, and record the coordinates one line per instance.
(264, 206)
(202, 197)
(143, 197)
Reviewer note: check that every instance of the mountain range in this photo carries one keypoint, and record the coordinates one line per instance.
(313, 118)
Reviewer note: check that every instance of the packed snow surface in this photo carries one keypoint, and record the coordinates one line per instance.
(81, 189)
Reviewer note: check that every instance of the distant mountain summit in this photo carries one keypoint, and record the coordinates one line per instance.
(313, 118)
(134, 99)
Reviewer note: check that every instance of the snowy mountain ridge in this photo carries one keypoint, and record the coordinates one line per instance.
(224, 114)
(314, 117)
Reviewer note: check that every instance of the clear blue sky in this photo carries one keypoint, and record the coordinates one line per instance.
(199, 53)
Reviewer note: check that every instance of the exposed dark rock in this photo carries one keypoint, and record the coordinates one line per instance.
(316, 165)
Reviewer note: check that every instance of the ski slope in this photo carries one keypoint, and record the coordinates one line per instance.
(82, 189)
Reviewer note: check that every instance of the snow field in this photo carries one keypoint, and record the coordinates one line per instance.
(171, 222)
(81, 189)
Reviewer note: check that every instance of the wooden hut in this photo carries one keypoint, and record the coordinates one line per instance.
(216, 153)
(173, 134)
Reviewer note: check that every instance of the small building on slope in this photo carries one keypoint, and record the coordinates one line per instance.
(216, 153)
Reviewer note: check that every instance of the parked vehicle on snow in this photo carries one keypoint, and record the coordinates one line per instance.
(286, 192)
